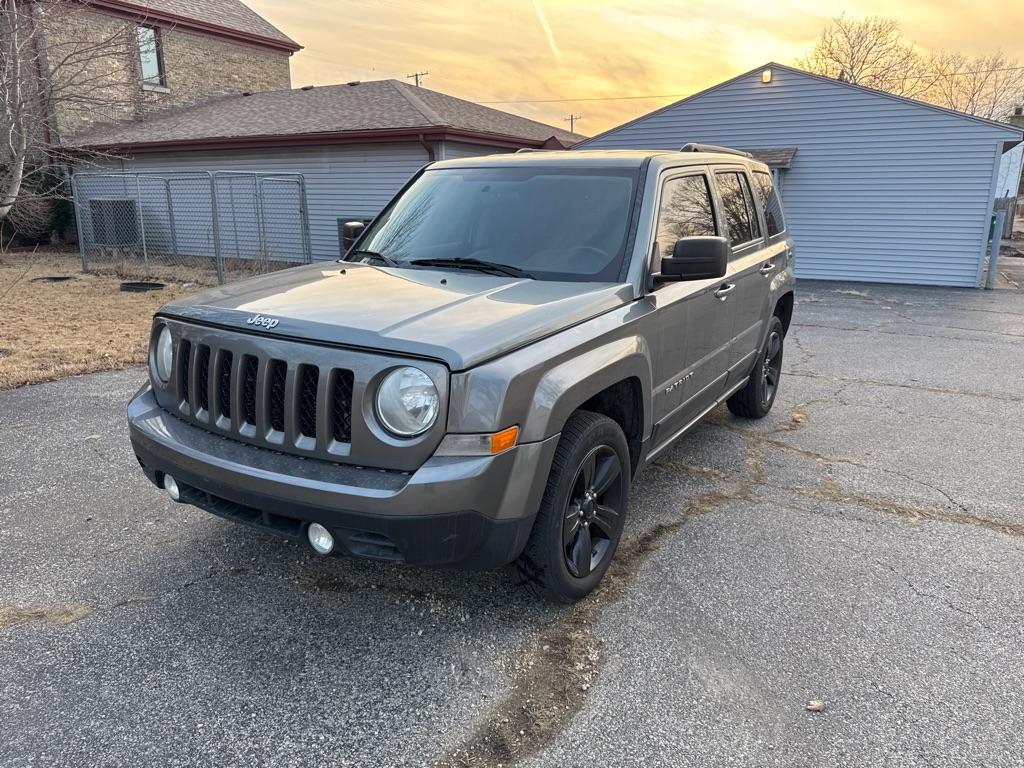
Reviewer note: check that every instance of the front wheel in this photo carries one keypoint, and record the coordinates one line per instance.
(582, 513)
(757, 397)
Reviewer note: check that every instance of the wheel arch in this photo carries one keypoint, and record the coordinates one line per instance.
(613, 379)
(784, 310)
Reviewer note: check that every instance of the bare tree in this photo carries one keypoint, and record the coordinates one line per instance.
(873, 52)
(986, 86)
(61, 68)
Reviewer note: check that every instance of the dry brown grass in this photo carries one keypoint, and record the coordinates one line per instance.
(82, 325)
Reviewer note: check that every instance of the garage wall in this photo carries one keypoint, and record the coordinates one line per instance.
(350, 182)
(881, 189)
(341, 182)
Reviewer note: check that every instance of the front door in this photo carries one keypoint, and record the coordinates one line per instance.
(694, 324)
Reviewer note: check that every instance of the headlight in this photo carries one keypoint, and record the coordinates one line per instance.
(163, 355)
(407, 402)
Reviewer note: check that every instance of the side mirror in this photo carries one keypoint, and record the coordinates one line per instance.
(350, 232)
(695, 258)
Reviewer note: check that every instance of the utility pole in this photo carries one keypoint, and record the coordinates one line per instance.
(571, 120)
(416, 76)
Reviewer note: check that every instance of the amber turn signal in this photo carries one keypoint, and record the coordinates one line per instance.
(502, 441)
(477, 444)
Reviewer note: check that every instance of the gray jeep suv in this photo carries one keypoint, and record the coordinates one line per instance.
(481, 378)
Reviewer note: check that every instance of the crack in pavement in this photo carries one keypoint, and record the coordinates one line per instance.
(1006, 398)
(561, 663)
(880, 329)
(930, 595)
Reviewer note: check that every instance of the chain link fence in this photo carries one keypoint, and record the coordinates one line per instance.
(191, 226)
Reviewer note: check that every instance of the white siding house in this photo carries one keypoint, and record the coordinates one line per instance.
(880, 188)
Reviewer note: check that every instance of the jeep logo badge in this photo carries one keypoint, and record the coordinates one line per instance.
(263, 321)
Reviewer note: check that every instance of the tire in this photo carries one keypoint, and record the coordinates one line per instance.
(755, 400)
(592, 455)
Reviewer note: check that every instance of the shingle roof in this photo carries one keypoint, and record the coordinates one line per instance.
(228, 15)
(380, 105)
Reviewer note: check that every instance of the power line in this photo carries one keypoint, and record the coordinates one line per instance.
(590, 98)
(418, 75)
(684, 95)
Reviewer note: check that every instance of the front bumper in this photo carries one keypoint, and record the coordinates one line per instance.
(472, 512)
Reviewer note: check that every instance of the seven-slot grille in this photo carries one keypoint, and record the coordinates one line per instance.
(278, 403)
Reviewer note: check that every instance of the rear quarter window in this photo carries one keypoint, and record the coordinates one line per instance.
(775, 223)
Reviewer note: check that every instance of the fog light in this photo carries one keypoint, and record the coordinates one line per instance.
(320, 539)
(171, 486)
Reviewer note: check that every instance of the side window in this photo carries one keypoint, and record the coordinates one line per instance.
(774, 222)
(738, 207)
(686, 211)
(151, 57)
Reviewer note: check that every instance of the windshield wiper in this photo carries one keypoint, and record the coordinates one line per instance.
(388, 261)
(476, 264)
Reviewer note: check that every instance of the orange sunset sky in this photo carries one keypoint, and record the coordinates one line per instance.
(575, 49)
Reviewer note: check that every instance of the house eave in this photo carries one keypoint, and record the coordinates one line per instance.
(136, 12)
(271, 141)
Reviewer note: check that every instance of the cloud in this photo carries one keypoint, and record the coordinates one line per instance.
(547, 30)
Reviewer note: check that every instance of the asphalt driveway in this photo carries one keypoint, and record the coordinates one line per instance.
(862, 547)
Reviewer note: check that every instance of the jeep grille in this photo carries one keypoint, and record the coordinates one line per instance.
(291, 396)
(291, 411)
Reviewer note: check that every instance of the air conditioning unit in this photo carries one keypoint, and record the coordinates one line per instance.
(115, 221)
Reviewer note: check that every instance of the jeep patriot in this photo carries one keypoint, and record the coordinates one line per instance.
(483, 375)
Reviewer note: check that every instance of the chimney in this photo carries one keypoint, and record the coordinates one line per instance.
(1017, 118)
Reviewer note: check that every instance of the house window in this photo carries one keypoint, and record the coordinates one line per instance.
(686, 211)
(151, 57)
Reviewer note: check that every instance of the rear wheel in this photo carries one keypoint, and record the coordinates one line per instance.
(583, 510)
(755, 400)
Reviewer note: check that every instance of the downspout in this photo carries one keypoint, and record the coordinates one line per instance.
(430, 149)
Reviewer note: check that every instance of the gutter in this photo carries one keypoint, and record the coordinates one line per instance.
(140, 12)
(267, 141)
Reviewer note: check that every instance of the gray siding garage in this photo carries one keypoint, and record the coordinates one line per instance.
(354, 145)
(342, 182)
(879, 188)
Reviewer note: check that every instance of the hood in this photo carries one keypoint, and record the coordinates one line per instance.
(459, 317)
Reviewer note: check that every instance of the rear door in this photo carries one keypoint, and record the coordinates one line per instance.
(749, 268)
(779, 248)
(692, 324)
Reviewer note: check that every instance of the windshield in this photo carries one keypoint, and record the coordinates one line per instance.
(550, 223)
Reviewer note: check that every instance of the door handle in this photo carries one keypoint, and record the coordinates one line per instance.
(723, 293)
(767, 268)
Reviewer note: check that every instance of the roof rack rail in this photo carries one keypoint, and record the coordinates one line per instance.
(694, 147)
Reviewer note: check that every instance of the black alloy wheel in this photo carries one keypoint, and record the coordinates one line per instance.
(591, 514)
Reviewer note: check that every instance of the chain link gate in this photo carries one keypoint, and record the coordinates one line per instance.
(196, 226)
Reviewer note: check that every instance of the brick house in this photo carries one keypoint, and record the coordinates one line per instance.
(180, 52)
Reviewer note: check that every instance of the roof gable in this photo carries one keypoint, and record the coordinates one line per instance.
(1010, 132)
